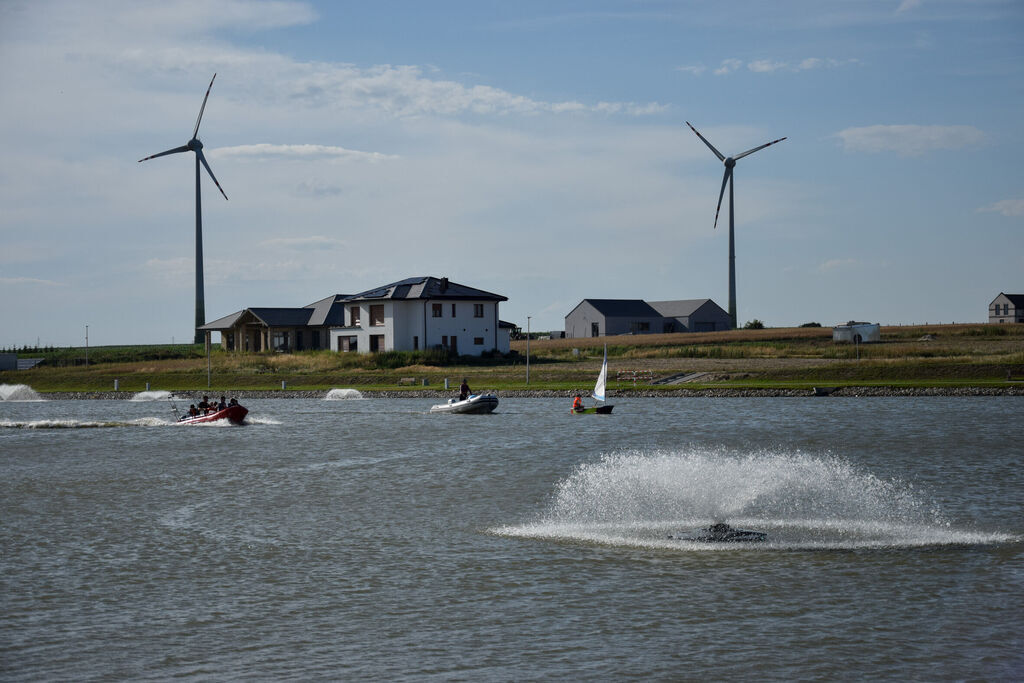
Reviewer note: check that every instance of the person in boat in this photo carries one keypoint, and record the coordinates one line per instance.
(464, 390)
(222, 405)
(204, 405)
(577, 403)
(233, 402)
(193, 411)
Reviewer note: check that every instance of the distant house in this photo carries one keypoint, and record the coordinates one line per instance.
(602, 317)
(417, 313)
(694, 315)
(422, 313)
(855, 332)
(1006, 308)
(280, 329)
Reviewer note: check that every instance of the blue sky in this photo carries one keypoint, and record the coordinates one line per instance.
(534, 149)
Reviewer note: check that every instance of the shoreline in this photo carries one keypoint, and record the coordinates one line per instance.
(824, 392)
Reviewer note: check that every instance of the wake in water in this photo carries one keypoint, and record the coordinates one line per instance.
(638, 498)
(83, 424)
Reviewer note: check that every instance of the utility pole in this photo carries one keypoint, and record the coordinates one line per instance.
(87, 346)
(528, 350)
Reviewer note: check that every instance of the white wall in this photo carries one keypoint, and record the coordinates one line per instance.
(405, 320)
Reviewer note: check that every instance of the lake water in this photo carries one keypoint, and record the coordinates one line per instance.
(368, 539)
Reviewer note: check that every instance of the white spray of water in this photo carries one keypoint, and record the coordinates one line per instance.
(342, 394)
(18, 392)
(802, 501)
(152, 396)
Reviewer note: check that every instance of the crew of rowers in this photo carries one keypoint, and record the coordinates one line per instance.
(205, 407)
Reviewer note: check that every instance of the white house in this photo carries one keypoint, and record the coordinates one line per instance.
(422, 313)
(1006, 308)
(857, 332)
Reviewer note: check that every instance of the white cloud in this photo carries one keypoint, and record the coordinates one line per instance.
(1007, 207)
(696, 70)
(765, 66)
(29, 281)
(907, 5)
(728, 66)
(264, 150)
(909, 140)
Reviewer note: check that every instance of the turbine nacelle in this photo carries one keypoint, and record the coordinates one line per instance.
(195, 144)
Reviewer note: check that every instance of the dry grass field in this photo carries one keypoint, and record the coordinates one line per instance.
(946, 355)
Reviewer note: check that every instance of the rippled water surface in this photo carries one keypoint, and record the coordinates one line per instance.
(357, 539)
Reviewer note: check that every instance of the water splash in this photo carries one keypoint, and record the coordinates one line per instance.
(18, 392)
(342, 394)
(638, 498)
(83, 424)
(152, 396)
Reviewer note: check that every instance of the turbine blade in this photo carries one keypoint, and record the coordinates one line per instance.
(751, 151)
(725, 181)
(710, 146)
(202, 158)
(183, 148)
(203, 108)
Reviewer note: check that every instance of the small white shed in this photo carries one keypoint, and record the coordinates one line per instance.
(861, 333)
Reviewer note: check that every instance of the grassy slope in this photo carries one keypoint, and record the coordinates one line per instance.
(958, 355)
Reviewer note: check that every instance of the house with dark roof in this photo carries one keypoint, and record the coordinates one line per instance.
(693, 315)
(1006, 308)
(279, 329)
(603, 317)
(422, 313)
(412, 314)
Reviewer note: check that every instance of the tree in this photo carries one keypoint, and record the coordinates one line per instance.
(754, 324)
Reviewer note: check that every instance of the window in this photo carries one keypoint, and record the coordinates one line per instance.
(479, 341)
(347, 343)
(444, 340)
(478, 310)
(453, 310)
(376, 342)
(377, 315)
(437, 310)
(353, 316)
(279, 341)
(415, 343)
(636, 326)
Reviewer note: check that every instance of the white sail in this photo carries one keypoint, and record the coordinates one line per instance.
(602, 379)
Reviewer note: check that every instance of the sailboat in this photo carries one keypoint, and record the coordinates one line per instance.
(599, 388)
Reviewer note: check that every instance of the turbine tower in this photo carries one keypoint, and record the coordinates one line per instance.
(194, 145)
(730, 163)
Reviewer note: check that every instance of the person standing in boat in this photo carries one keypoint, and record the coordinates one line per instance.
(464, 390)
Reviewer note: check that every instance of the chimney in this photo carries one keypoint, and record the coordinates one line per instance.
(444, 285)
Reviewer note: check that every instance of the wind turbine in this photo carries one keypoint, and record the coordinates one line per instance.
(730, 163)
(194, 145)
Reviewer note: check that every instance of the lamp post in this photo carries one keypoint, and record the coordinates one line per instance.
(528, 350)
(87, 346)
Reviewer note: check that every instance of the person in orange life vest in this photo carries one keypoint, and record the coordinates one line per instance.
(577, 403)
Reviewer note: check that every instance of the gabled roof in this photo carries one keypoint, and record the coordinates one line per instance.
(682, 308)
(426, 288)
(328, 311)
(281, 317)
(622, 308)
(1015, 299)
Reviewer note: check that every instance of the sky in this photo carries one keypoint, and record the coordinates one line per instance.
(535, 149)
